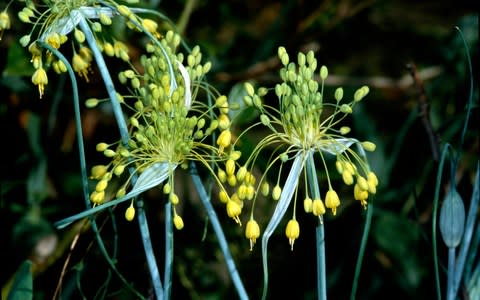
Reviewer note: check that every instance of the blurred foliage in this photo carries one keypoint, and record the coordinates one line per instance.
(362, 42)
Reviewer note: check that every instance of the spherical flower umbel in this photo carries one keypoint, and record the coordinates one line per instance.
(168, 126)
(306, 126)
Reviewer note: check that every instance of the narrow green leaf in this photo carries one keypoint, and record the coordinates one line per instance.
(280, 209)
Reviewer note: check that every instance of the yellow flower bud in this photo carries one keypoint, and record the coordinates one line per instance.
(332, 201)
(121, 192)
(178, 222)
(40, 78)
(173, 198)
(119, 170)
(101, 185)
(242, 171)
(307, 205)
(223, 122)
(338, 94)
(344, 130)
(224, 140)
(230, 167)
(347, 177)
(360, 195)
(150, 25)
(104, 19)
(318, 208)
(265, 189)
(252, 232)
(362, 183)
(233, 210)
(249, 88)
(292, 231)
(101, 147)
(250, 192)
(276, 193)
(167, 188)
(222, 176)
(368, 146)
(130, 212)
(98, 171)
(79, 35)
(223, 196)
(232, 180)
(97, 197)
(323, 72)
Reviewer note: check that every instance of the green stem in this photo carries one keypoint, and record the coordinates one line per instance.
(122, 126)
(83, 165)
(168, 250)
(434, 219)
(242, 294)
(451, 274)
(361, 252)
(319, 231)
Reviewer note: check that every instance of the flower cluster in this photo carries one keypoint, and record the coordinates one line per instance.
(305, 124)
(167, 124)
(55, 22)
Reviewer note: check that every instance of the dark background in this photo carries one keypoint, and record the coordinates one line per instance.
(361, 42)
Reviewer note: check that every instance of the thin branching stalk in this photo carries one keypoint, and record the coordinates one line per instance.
(319, 231)
(451, 273)
(122, 126)
(361, 251)
(83, 165)
(167, 279)
(217, 228)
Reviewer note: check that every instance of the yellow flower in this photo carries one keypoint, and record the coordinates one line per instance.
(130, 212)
(318, 208)
(332, 201)
(302, 130)
(178, 222)
(81, 62)
(252, 232)
(40, 78)
(292, 231)
(234, 210)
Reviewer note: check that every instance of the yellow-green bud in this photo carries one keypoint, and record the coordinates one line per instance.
(178, 222)
(109, 153)
(362, 183)
(249, 88)
(223, 196)
(98, 171)
(344, 130)
(79, 35)
(345, 108)
(101, 147)
(307, 204)
(91, 103)
(130, 213)
(276, 192)
(101, 185)
(318, 208)
(369, 146)
(233, 210)
(242, 171)
(173, 198)
(119, 170)
(265, 189)
(323, 72)
(338, 94)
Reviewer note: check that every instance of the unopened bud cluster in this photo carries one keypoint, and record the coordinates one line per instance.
(307, 121)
